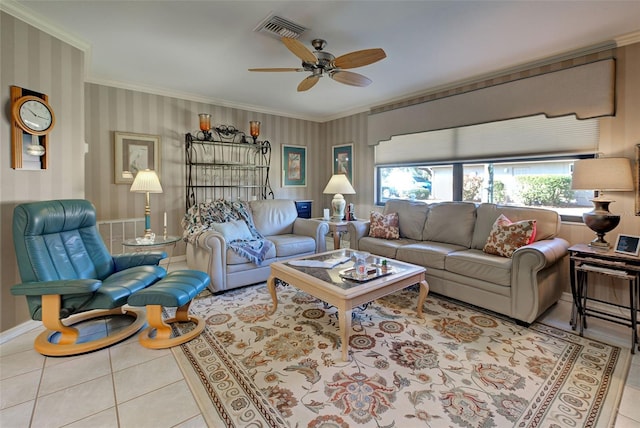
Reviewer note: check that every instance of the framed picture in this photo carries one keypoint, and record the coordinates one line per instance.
(294, 166)
(627, 244)
(343, 161)
(134, 152)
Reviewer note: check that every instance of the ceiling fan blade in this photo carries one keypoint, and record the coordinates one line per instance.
(308, 83)
(350, 78)
(299, 50)
(359, 58)
(276, 69)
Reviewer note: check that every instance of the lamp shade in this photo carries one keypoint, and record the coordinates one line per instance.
(613, 174)
(146, 181)
(339, 183)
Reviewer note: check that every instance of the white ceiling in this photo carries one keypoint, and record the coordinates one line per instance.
(201, 50)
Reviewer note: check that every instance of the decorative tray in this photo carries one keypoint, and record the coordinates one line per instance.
(373, 272)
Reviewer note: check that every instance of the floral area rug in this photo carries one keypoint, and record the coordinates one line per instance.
(458, 367)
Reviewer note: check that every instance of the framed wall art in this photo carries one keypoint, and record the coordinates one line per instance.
(294, 166)
(343, 161)
(135, 152)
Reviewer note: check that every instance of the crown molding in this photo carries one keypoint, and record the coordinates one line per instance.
(193, 97)
(627, 39)
(43, 24)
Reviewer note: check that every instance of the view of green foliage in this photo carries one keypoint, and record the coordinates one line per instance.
(548, 190)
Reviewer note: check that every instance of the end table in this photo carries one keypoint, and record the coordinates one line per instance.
(160, 241)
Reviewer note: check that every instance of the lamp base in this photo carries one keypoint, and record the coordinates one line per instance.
(601, 221)
(338, 204)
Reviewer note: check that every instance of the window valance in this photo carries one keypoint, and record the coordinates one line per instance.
(586, 91)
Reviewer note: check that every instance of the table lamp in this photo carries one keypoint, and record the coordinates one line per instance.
(146, 181)
(600, 174)
(338, 185)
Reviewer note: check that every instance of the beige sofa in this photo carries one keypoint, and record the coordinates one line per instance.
(275, 219)
(448, 240)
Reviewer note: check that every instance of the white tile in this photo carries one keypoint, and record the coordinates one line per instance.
(17, 416)
(106, 418)
(19, 389)
(131, 354)
(22, 362)
(165, 407)
(75, 371)
(625, 422)
(197, 422)
(146, 377)
(74, 403)
(21, 343)
(629, 404)
(633, 379)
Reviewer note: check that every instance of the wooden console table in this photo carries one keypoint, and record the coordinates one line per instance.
(583, 262)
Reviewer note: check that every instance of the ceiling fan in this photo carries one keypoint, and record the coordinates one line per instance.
(321, 62)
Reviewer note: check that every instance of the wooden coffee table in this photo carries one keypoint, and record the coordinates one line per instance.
(345, 294)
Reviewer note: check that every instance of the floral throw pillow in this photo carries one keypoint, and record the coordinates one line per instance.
(384, 226)
(507, 236)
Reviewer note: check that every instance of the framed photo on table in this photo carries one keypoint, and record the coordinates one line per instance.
(628, 244)
(135, 152)
(343, 161)
(294, 166)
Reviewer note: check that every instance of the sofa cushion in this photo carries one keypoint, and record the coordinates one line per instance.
(233, 230)
(288, 245)
(382, 247)
(411, 216)
(547, 221)
(506, 236)
(384, 226)
(274, 216)
(450, 222)
(427, 253)
(481, 266)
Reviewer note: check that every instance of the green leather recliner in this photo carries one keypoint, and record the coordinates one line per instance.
(68, 274)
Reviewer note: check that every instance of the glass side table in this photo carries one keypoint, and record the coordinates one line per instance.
(139, 244)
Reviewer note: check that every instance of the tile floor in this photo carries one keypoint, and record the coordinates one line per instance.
(127, 385)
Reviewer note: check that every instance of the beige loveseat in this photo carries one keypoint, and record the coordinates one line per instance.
(448, 239)
(209, 244)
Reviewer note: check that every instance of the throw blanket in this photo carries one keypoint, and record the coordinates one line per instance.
(200, 218)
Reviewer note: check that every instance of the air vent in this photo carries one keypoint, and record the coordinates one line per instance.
(277, 27)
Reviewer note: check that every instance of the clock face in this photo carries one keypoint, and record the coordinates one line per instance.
(36, 115)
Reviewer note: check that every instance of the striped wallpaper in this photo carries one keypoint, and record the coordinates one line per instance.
(34, 60)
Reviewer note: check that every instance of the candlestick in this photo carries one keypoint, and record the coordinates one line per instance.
(165, 219)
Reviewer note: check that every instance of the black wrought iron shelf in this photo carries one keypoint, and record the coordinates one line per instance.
(224, 164)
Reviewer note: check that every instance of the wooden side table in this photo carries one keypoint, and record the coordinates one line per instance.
(585, 261)
(337, 228)
(137, 244)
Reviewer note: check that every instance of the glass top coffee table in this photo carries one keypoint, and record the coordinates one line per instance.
(335, 286)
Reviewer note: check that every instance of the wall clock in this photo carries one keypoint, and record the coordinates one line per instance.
(32, 119)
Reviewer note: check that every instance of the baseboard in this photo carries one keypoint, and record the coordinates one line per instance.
(18, 330)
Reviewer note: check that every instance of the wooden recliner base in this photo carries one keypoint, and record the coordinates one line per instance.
(68, 335)
(162, 338)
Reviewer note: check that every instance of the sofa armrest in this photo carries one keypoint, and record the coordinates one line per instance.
(357, 229)
(315, 229)
(209, 254)
(532, 265)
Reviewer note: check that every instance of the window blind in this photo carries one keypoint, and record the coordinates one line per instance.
(528, 136)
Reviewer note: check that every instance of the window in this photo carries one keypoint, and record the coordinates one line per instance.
(522, 169)
(544, 183)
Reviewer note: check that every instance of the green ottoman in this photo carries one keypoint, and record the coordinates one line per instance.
(177, 289)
